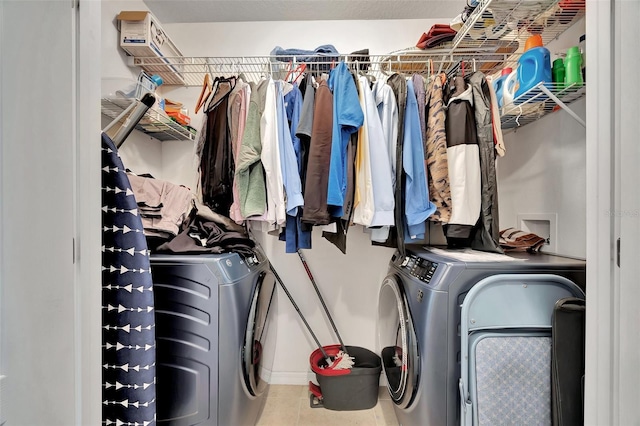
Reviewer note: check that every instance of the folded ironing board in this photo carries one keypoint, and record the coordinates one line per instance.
(505, 330)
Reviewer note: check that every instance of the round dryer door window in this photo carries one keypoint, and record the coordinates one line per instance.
(260, 337)
(398, 342)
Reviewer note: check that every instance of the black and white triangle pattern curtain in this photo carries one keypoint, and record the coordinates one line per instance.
(128, 323)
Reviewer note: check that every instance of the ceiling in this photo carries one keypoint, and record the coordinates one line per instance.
(191, 11)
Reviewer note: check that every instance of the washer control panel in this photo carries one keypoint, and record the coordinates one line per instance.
(419, 268)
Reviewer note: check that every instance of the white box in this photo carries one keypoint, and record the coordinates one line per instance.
(141, 35)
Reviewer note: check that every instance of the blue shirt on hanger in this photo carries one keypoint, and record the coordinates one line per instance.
(347, 118)
(418, 207)
(288, 161)
(296, 235)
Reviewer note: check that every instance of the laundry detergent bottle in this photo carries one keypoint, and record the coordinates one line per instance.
(573, 66)
(534, 67)
(558, 71)
(498, 85)
(510, 87)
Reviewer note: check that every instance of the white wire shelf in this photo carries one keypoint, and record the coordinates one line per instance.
(191, 70)
(500, 23)
(542, 99)
(155, 123)
(492, 38)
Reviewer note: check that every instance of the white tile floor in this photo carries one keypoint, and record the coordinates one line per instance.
(288, 405)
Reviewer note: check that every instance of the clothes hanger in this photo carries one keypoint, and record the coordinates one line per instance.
(300, 70)
(207, 88)
(220, 92)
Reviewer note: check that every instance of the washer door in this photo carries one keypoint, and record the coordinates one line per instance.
(259, 344)
(398, 341)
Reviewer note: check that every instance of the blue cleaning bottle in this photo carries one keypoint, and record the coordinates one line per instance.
(534, 67)
(499, 85)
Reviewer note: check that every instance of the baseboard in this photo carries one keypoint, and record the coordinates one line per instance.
(299, 378)
(291, 378)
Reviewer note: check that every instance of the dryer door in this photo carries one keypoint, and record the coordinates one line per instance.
(258, 350)
(398, 341)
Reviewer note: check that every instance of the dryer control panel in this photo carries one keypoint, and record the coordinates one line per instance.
(419, 268)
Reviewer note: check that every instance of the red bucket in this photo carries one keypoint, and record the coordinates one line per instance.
(347, 389)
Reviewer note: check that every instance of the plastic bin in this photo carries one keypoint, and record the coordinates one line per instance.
(345, 390)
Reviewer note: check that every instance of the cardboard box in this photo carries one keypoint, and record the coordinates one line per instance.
(141, 35)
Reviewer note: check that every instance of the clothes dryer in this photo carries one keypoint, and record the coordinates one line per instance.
(215, 334)
(419, 322)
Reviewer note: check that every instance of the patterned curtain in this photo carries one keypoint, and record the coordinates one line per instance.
(128, 324)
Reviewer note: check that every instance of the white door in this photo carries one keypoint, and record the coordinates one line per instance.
(613, 214)
(42, 275)
(627, 214)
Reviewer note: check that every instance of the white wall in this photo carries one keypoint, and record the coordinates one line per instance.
(141, 153)
(543, 171)
(350, 283)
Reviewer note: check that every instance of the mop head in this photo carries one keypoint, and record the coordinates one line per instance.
(342, 361)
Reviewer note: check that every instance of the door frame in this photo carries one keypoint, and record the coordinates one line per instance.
(612, 318)
(87, 238)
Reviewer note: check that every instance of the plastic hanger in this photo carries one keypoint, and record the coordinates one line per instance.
(207, 89)
(292, 71)
(301, 69)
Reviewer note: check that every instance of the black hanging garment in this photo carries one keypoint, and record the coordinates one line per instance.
(128, 323)
(463, 159)
(487, 236)
(216, 160)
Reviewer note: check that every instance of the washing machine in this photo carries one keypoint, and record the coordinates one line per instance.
(215, 335)
(419, 322)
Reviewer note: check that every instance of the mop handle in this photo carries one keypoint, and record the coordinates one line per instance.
(326, 310)
(295, 305)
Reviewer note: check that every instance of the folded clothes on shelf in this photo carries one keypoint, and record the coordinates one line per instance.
(437, 34)
(512, 239)
(326, 51)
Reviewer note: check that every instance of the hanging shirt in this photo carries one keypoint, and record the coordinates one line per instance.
(363, 197)
(417, 205)
(419, 88)
(270, 157)
(305, 124)
(347, 118)
(398, 86)
(288, 160)
(381, 176)
(297, 235)
(436, 151)
(388, 113)
(249, 174)
(315, 208)
(238, 110)
(463, 157)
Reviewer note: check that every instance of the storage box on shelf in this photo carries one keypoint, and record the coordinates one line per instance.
(142, 35)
